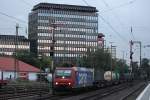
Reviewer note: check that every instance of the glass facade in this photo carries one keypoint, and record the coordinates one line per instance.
(77, 30)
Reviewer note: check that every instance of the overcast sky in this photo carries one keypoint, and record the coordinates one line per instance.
(115, 21)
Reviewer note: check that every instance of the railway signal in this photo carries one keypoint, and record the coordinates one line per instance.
(53, 25)
(131, 54)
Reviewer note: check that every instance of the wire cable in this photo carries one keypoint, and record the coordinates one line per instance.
(113, 29)
(119, 6)
(30, 5)
(12, 17)
(86, 2)
(115, 15)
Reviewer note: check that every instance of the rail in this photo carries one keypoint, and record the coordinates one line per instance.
(145, 95)
(105, 92)
(14, 91)
(134, 91)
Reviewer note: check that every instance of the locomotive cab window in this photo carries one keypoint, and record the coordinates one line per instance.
(63, 73)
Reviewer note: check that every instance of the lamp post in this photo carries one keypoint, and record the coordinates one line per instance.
(40, 57)
(111, 58)
(15, 52)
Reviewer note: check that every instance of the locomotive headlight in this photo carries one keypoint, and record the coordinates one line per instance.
(56, 83)
(69, 83)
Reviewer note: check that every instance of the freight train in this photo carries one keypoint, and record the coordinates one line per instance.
(79, 77)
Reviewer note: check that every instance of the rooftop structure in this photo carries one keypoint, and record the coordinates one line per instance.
(7, 64)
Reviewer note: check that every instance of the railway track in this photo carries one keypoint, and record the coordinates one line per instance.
(11, 92)
(133, 94)
(20, 95)
(42, 94)
(104, 92)
(51, 97)
(22, 92)
(97, 94)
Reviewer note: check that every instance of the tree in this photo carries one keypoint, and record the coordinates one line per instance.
(121, 66)
(145, 66)
(45, 62)
(135, 70)
(99, 59)
(32, 59)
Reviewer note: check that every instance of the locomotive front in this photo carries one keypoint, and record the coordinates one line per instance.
(63, 78)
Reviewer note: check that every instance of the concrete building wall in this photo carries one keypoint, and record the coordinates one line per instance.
(32, 76)
(6, 75)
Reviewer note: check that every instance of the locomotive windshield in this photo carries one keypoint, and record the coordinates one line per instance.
(65, 73)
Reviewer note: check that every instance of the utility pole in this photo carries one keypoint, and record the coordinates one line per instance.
(111, 58)
(54, 25)
(52, 57)
(16, 68)
(139, 42)
(40, 57)
(131, 54)
(140, 53)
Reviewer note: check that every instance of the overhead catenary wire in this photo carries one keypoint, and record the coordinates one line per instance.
(107, 5)
(86, 2)
(12, 17)
(113, 29)
(27, 3)
(115, 15)
(119, 6)
(17, 19)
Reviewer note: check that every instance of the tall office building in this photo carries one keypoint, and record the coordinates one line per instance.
(75, 30)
